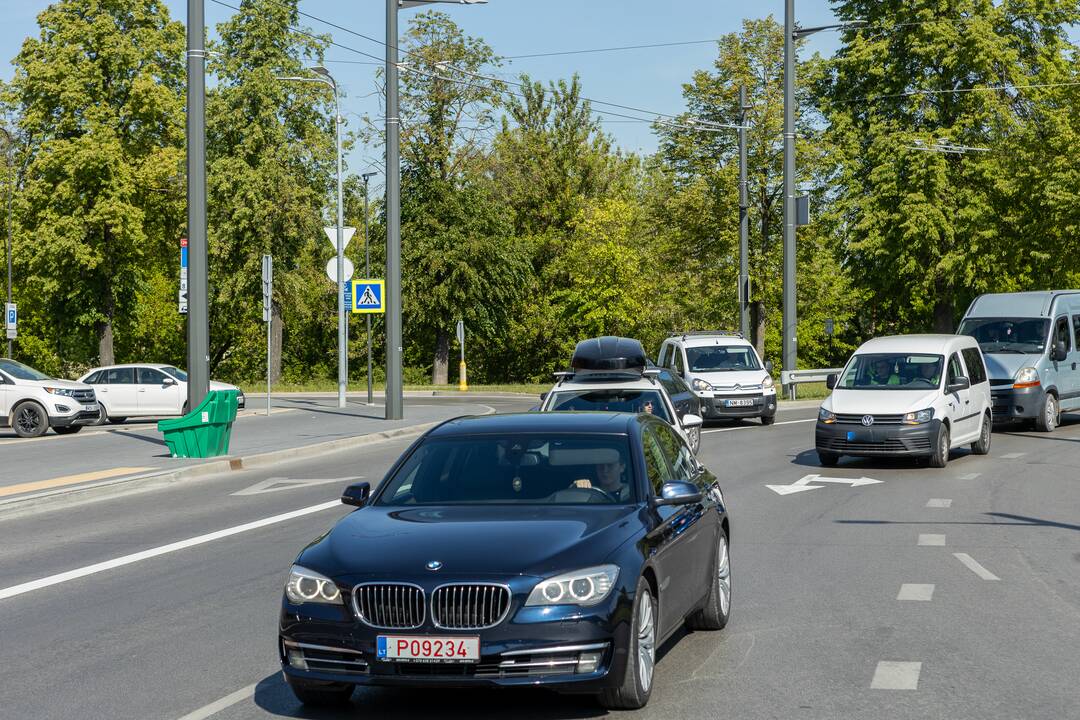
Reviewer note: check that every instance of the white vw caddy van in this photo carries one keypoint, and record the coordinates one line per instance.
(914, 395)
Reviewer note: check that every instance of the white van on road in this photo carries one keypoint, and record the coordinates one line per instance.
(907, 395)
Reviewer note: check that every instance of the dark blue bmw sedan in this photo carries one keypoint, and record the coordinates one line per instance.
(555, 549)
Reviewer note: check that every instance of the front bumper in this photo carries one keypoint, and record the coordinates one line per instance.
(76, 415)
(876, 440)
(526, 649)
(714, 405)
(1017, 403)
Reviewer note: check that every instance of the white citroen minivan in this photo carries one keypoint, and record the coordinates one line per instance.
(907, 395)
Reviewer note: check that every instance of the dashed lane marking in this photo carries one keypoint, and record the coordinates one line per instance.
(158, 551)
(1013, 456)
(969, 476)
(971, 564)
(896, 675)
(931, 540)
(939, 503)
(69, 480)
(224, 703)
(917, 592)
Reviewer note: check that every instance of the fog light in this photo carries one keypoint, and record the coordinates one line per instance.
(63, 408)
(296, 660)
(588, 662)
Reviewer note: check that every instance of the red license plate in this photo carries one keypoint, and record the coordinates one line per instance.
(422, 648)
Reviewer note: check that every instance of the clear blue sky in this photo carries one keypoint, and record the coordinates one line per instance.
(649, 78)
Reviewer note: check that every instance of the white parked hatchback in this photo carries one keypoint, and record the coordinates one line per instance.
(913, 395)
(147, 390)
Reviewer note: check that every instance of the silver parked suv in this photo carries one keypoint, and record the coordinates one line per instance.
(724, 371)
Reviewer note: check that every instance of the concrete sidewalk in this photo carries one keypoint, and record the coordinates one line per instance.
(295, 426)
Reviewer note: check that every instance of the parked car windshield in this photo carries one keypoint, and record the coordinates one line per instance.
(21, 372)
(518, 469)
(1018, 336)
(614, 400)
(718, 358)
(175, 372)
(892, 371)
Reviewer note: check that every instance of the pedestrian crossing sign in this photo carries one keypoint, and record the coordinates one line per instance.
(367, 297)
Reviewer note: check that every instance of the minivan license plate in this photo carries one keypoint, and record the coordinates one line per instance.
(744, 402)
(426, 649)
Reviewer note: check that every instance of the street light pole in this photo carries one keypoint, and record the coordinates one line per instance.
(11, 194)
(394, 391)
(744, 222)
(198, 330)
(367, 274)
(790, 319)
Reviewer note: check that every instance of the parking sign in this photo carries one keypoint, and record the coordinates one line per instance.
(11, 317)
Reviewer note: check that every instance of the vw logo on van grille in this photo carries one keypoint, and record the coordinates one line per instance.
(867, 420)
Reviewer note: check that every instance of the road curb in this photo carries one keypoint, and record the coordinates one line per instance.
(158, 478)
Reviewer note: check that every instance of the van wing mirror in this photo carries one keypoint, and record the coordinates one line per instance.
(768, 366)
(959, 383)
(356, 494)
(831, 380)
(1061, 351)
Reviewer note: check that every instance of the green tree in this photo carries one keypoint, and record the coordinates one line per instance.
(926, 231)
(99, 95)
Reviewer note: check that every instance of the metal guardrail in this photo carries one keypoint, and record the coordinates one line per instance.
(789, 379)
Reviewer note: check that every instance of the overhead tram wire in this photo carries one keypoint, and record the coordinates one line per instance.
(956, 91)
(421, 57)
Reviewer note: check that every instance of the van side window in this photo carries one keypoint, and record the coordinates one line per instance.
(955, 369)
(662, 361)
(1076, 330)
(976, 369)
(1061, 332)
(677, 361)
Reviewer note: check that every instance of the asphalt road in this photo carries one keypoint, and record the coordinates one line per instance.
(987, 549)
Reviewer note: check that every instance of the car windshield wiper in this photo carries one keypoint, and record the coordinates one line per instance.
(1008, 351)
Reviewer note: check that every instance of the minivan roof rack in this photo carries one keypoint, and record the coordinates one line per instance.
(706, 333)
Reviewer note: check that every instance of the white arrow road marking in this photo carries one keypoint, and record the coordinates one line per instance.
(973, 565)
(804, 484)
(276, 484)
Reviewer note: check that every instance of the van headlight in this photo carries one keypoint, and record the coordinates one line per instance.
(700, 385)
(919, 417)
(768, 383)
(1026, 377)
(826, 416)
(582, 587)
(308, 586)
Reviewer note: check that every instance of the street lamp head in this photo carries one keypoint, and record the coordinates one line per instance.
(320, 70)
(367, 176)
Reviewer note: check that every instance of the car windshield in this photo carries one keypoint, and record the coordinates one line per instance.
(517, 469)
(175, 372)
(1008, 335)
(613, 400)
(21, 372)
(720, 358)
(892, 371)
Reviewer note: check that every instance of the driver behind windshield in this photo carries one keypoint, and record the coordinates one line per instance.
(609, 478)
(881, 373)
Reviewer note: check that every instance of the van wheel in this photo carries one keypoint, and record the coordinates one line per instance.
(828, 459)
(768, 419)
(29, 420)
(1049, 416)
(982, 445)
(941, 448)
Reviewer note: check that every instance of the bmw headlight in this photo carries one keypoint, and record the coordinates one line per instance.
(700, 385)
(582, 587)
(63, 392)
(919, 417)
(1026, 377)
(307, 586)
(826, 416)
(768, 383)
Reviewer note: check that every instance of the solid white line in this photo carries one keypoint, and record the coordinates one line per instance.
(913, 591)
(969, 476)
(932, 540)
(939, 503)
(1013, 456)
(226, 702)
(893, 675)
(163, 550)
(975, 567)
(749, 427)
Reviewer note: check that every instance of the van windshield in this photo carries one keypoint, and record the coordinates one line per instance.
(1017, 336)
(892, 371)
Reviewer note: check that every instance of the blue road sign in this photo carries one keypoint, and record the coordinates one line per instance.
(347, 287)
(367, 297)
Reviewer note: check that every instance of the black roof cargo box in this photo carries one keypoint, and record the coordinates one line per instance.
(608, 354)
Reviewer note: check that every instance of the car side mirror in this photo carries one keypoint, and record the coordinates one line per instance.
(169, 382)
(691, 421)
(768, 366)
(356, 494)
(1061, 351)
(831, 380)
(958, 384)
(678, 492)
(543, 396)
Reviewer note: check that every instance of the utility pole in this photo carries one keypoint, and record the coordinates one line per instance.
(790, 319)
(198, 330)
(744, 222)
(394, 391)
(10, 195)
(367, 275)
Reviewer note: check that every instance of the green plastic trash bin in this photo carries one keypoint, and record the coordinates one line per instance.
(205, 431)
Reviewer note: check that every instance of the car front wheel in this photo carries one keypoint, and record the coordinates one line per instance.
(641, 659)
(694, 436)
(717, 610)
(940, 457)
(29, 420)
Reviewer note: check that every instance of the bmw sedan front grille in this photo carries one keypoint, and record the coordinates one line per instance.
(390, 606)
(469, 607)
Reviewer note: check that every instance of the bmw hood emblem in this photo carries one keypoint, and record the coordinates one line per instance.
(434, 565)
